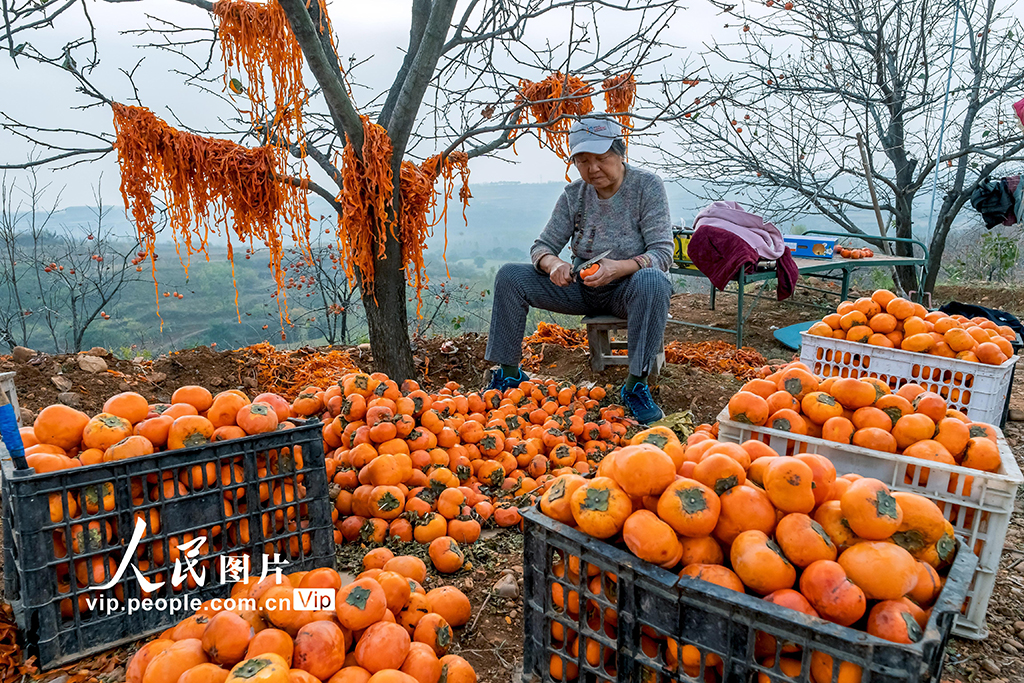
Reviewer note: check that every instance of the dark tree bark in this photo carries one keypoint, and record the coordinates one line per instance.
(386, 316)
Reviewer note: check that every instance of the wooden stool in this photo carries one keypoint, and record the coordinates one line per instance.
(599, 329)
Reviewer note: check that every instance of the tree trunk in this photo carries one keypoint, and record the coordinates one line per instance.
(386, 316)
(938, 243)
(74, 321)
(906, 276)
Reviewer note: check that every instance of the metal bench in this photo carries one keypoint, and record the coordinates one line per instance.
(818, 268)
(599, 330)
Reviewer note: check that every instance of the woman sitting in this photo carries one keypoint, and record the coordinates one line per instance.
(613, 209)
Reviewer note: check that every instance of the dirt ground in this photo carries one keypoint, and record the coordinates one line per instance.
(156, 380)
(493, 640)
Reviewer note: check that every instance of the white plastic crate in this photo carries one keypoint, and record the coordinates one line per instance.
(979, 505)
(7, 384)
(977, 389)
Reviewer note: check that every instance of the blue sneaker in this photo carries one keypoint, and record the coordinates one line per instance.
(641, 404)
(502, 383)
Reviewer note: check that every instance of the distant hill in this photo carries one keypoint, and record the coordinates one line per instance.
(501, 223)
(509, 215)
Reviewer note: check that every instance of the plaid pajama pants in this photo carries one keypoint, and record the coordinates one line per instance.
(642, 299)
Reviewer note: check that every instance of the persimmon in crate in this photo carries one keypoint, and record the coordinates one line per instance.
(765, 516)
(865, 412)
(592, 609)
(889, 321)
(911, 439)
(69, 529)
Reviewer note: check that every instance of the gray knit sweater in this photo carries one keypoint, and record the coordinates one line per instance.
(634, 221)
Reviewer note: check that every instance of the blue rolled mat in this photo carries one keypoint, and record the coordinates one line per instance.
(11, 436)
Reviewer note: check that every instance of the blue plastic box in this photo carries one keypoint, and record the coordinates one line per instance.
(810, 247)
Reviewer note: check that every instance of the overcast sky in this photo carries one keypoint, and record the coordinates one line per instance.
(377, 29)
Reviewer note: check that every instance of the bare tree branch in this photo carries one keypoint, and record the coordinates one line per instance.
(421, 71)
(327, 75)
(799, 85)
(46, 161)
(418, 25)
(312, 187)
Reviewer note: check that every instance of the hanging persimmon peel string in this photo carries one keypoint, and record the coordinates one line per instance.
(254, 36)
(555, 101)
(368, 193)
(205, 182)
(558, 99)
(367, 190)
(419, 197)
(619, 92)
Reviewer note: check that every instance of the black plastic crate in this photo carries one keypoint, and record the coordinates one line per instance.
(66, 533)
(717, 629)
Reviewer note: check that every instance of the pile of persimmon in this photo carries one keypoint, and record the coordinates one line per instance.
(385, 628)
(846, 252)
(866, 413)
(418, 467)
(62, 438)
(844, 549)
(886, 320)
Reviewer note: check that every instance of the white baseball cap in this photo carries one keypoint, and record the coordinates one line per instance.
(593, 135)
